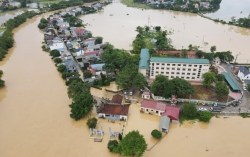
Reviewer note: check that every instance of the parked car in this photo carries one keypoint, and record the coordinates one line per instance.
(125, 92)
(215, 109)
(244, 88)
(131, 91)
(126, 97)
(202, 109)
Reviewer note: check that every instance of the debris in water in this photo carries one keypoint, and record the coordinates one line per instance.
(127, 14)
(111, 15)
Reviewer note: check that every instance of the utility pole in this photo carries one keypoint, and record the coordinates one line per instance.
(236, 57)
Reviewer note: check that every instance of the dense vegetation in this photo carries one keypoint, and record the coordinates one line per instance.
(177, 86)
(1, 81)
(65, 4)
(91, 122)
(156, 134)
(4, 8)
(6, 40)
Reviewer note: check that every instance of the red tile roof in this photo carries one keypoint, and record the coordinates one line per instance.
(153, 104)
(79, 31)
(117, 99)
(91, 53)
(114, 109)
(146, 93)
(172, 112)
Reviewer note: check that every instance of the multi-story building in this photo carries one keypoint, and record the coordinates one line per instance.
(186, 68)
(144, 62)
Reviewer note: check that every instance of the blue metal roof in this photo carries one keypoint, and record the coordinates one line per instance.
(179, 60)
(144, 64)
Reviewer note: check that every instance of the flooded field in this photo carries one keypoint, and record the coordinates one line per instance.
(238, 8)
(117, 25)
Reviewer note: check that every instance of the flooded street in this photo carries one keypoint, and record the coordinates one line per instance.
(34, 111)
(118, 28)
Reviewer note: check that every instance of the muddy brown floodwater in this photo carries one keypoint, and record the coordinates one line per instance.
(35, 122)
(118, 22)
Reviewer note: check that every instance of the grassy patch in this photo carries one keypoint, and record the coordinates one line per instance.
(48, 1)
(2, 29)
(245, 115)
(130, 3)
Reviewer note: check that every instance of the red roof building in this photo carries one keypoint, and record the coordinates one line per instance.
(172, 112)
(93, 53)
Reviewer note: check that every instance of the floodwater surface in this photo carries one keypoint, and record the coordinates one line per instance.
(230, 8)
(118, 22)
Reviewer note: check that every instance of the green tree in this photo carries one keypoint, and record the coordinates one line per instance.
(81, 105)
(54, 53)
(139, 81)
(156, 134)
(76, 87)
(58, 60)
(98, 40)
(61, 68)
(125, 78)
(213, 49)
(213, 69)
(208, 79)
(199, 54)
(221, 89)
(189, 110)
(184, 53)
(220, 77)
(1, 81)
(158, 28)
(133, 144)
(209, 56)
(43, 20)
(138, 44)
(159, 84)
(42, 25)
(87, 74)
(205, 116)
(178, 86)
(112, 145)
(248, 87)
(91, 122)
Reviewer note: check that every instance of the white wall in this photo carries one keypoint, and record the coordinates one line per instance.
(57, 46)
(153, 111)
(143, 71)
(242, 77)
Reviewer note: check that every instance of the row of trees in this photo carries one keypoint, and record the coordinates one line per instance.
(6, 40)
(242, 22)
(177, 86)
(1, 81)
(65, 4)
(133, 144)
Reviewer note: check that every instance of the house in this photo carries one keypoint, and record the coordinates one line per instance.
(75, 44)
(204, 4)
(69, 46)
(97, 67)
(145, 95)
(186, 68)
(91, 55)
(94, 47)
(56, 45)
(153, 107)
(114, 109)
(164, 124)
(143, 63)
(173, 113)
(243, 73)
(71, 65)
(217, 61)
(63, 25)
(89, 41)
(79, 32)
(190, 54)
(79, 52)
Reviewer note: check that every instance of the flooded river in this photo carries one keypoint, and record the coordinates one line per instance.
(34, 111)
(118, 28)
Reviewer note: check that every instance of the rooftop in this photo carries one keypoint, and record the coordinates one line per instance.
(231, 82)
(179, 60)
(172, 112)
(114, 109)
(153, 104)
(144, 64)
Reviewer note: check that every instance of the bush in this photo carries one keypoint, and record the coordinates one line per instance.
(112, 145)
(92, 122)
(120, 136)
(57, 60)
(87, 74)
(189, 110)
(205, 116)
(54, 53)
(61, 68)
(156, 134)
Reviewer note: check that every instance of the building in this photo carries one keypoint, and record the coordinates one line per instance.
(243, 73)
(204, 4)
(144, 62)
(145, 95)
(185, 68)
(89, 41)
(164, 124)
(114, 109)
(153, 107)
(173, 113)
(231, 83)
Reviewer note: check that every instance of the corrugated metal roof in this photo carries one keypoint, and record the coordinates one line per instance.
(164, 122)
(231, 82)
(144, 64)
(179, 60)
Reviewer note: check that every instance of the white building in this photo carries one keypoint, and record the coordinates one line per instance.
(186, 68)
(243, 73)
(144, 64)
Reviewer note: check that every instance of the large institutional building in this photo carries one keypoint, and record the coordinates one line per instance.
(186, 68)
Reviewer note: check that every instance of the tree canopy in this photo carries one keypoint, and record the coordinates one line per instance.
(221, 89)
(189, 110)
(159, 85)
(125, 77)
(133, 144)
(208, 79)
(205, 116)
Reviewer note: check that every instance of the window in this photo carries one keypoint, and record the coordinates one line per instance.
(157, 63)
(195, 65)
(162, 68)
(182, 77)
(146, 109)
(163, 64)
(162, 72)
(178, 73)
(187, 77)
(173, 68)
(184, 65)
(177, 76)
(194, 73)
(172, 72)
(172, 76)
(179, 64)
(167, 68)
(168, 64)
(152, 110)
(173, 64)
(194, 69)
(188, 73)
(183, 73)
(183, 69)
(190, 65)
(193, 77)
(157, 112)
(157, 67)
(157, 72)
(167, 72)
(189, 69)
(178, 68)
(153, 64)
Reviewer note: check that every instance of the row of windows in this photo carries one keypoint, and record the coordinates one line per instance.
(163, 64)
(162, 68)
(183, 77)
(173, 73)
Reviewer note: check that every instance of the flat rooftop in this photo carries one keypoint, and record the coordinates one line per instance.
(179, 60)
